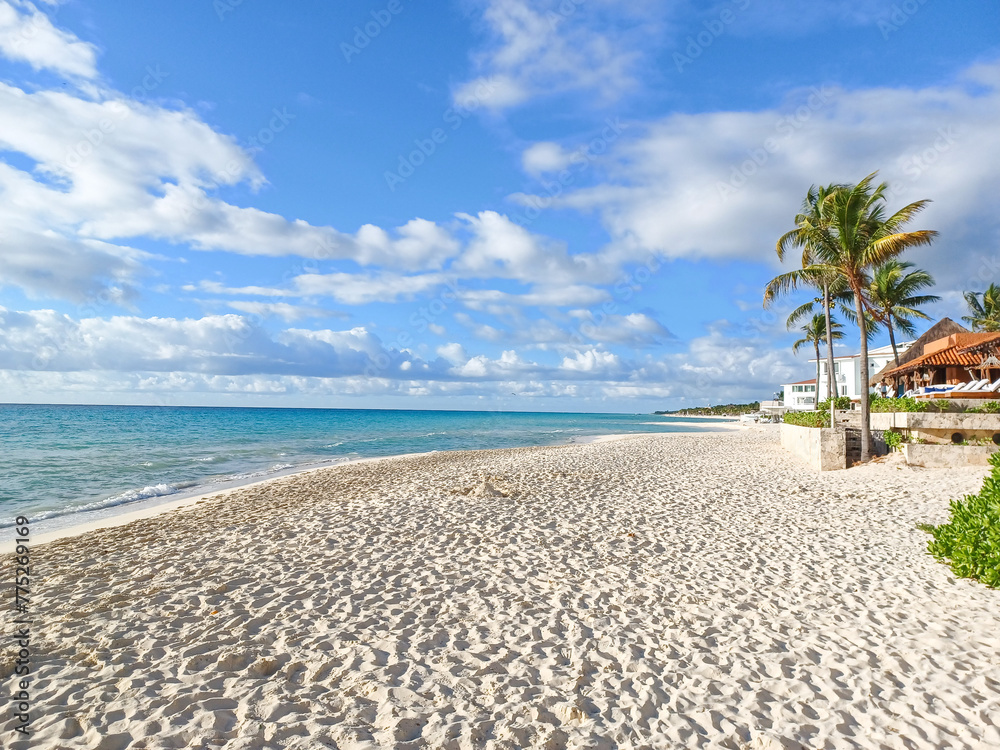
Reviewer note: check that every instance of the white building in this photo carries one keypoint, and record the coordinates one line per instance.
(800, 396)
(847, 370)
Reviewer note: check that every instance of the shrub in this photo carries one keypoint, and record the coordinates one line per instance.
(897, 405)
(893, 439)
(808, 418)
(843, 403)
(970, 542)
(990, 407)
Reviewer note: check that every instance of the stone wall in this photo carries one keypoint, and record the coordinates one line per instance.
(939, 428)
(822, 449)
(947, 456)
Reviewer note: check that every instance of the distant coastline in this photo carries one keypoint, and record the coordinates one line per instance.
(721, 410)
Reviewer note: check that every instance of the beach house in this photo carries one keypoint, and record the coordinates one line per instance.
(847, 370)
(800, 396)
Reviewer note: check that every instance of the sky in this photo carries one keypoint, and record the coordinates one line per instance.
(566, 205)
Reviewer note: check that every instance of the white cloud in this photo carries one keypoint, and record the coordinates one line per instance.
(454, 353)
(166, 360)
(635, 330)
(499, 248)
(27, 35)
(216, 287)
(283, 310)
(360, 289)
(727, 184)
(84, 271)
(543, 296)
(108, 168)
(214, 344)
(551, 47)
(545, 156)
(593, 362)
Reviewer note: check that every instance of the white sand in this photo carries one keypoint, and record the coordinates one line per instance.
(650, 592)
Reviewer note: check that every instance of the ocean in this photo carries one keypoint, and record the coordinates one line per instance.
(63, 461)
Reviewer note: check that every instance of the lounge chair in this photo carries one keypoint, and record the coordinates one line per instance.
(993, 388)
(974, 387)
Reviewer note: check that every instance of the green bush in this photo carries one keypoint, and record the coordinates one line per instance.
(893, 439)
(808, 418)
(843, 403)
(970, 542)
(990, 407)
(879, 404)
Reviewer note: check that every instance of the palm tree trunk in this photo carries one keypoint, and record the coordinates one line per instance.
(866, 418)
(892, 339)
(831, 378)
(816, 393)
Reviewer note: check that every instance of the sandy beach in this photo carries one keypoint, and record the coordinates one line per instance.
(656, 591)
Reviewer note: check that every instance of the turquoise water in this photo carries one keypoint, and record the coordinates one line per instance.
(60, 460)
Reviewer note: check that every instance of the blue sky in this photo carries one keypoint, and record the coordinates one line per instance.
(466, 204)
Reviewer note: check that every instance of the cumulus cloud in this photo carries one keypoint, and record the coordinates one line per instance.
(593, 362)
(634, 330)
(551, 47)
(164, 359)
(726, 184)
(100, 169)
(27, 35)
(454, 353)
(540, 296)
(499, 248)
(287, 312)
(85, 271)
(545, 156)
(214, 344)
(360, 289)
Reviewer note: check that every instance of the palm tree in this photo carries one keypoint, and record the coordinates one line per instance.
(893, 298)
(816, 331)
(986, 314)
(858, 237)
(810, 226)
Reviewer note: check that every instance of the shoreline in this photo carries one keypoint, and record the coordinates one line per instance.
(172, 504)
(106, 518)
(81, 522)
